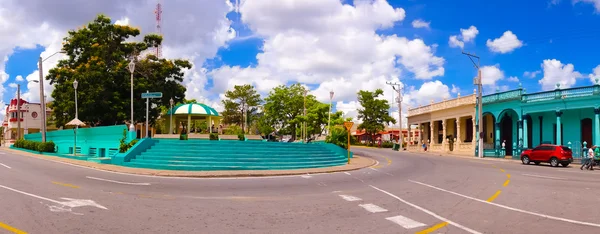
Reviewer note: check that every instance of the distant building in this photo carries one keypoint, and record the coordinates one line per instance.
(30, 118)
(388, 134)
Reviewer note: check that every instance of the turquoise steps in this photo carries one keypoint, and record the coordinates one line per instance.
(222, 168)
(150, 155)
(229, 163)
(206, 155)
(298, 160)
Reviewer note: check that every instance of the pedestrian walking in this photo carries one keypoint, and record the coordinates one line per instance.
(589, 163)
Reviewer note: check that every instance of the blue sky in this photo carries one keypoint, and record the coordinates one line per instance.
(565, 31)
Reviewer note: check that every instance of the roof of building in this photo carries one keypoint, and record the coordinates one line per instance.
(194, 109)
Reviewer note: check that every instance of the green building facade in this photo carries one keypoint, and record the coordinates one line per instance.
(521, 120)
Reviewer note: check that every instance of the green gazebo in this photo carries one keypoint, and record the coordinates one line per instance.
(193, 111)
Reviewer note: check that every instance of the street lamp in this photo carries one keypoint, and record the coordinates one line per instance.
(26, 131)
(75, 83)
(304, 131)
(131, 67)
(171, 121)
(42, 97)
(329, 121)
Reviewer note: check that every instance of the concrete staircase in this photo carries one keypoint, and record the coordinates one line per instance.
(206, 155)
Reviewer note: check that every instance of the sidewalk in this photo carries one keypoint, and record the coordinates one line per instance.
(357, 162)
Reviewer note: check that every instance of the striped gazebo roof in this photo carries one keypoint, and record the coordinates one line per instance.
(194, 109)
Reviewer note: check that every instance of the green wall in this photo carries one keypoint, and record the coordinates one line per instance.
(104, 139)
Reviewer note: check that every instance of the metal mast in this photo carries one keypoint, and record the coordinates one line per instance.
(158, 13)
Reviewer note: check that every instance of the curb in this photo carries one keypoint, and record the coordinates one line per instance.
(363, 162)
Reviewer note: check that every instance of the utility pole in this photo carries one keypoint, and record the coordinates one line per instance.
(18, 112)
(477, 81)
(398, 88)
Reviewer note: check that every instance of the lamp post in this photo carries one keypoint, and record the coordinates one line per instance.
(304, 131)
(75, 83)
(329, 121)
(477, 81)
(131, 67)
(18, 111)
(26, 131)
(171, 120)
(42, 97)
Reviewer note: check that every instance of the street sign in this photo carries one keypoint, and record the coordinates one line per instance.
(348, 125)
(152, 95)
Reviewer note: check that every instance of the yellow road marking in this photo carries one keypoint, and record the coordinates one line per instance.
(506, 183)
(11, 229)
(65, 185)
(508, 175)
(493, 197)
(494, 166)
(433, 228)
(502, 170)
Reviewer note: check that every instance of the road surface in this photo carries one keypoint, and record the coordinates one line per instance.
(403, 193)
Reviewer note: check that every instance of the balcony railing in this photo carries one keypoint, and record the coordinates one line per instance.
(543, 96)
(470, 99)
(562, 94)
(503, 96)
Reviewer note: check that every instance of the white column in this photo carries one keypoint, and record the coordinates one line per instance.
(431, 128)
(444, 135)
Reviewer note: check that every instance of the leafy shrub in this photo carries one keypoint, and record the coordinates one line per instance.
(213, 137)
(124, 146)
(241, 137)
(233, 130)
(37, 146)
(338, 136)
(387, 144)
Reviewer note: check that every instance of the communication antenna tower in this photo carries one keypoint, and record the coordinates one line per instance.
(158, 13)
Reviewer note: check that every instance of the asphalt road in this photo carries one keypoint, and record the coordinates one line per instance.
(404, 193)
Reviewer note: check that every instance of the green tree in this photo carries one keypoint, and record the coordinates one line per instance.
(318, 118)
(374, 113)
(242, 99)
(98, 58)
(284, 108)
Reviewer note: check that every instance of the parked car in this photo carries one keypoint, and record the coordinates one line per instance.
(547, 153)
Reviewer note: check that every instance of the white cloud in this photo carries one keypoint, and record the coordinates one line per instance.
(513, 79)
(418, 23)
(491, 74)
(13, 85)
(454, 42)
(334, 48)
(555, 72)
(19, 78)
(466, 35)
(469, 34)
(508, 42)
(455, 89)
(595, 75)
(596, 3)
(532, 74)
(193, 30)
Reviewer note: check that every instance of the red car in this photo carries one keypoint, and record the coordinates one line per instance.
(553, 154)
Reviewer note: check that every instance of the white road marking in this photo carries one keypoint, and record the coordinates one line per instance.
(380, 171)
(427, 211)
(70, 202)
(510, 208)
(118, 182)
(2, 153)
(4, 165)
(541, 176)
(372, 208)
(347, 173)
(350, 198)
(405, 222)
(306, 176)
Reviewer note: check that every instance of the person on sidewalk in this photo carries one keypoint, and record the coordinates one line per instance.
(589, 163)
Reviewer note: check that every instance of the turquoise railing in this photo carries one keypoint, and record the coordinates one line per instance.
(503, 96)
(562, 94)
(517, 94)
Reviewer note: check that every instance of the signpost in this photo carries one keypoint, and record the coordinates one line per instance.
(147, 95)
(348, 126)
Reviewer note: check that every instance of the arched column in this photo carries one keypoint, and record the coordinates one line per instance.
(525, 131)
(558, 128)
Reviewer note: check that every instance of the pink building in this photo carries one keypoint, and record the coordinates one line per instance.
(30, 118)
